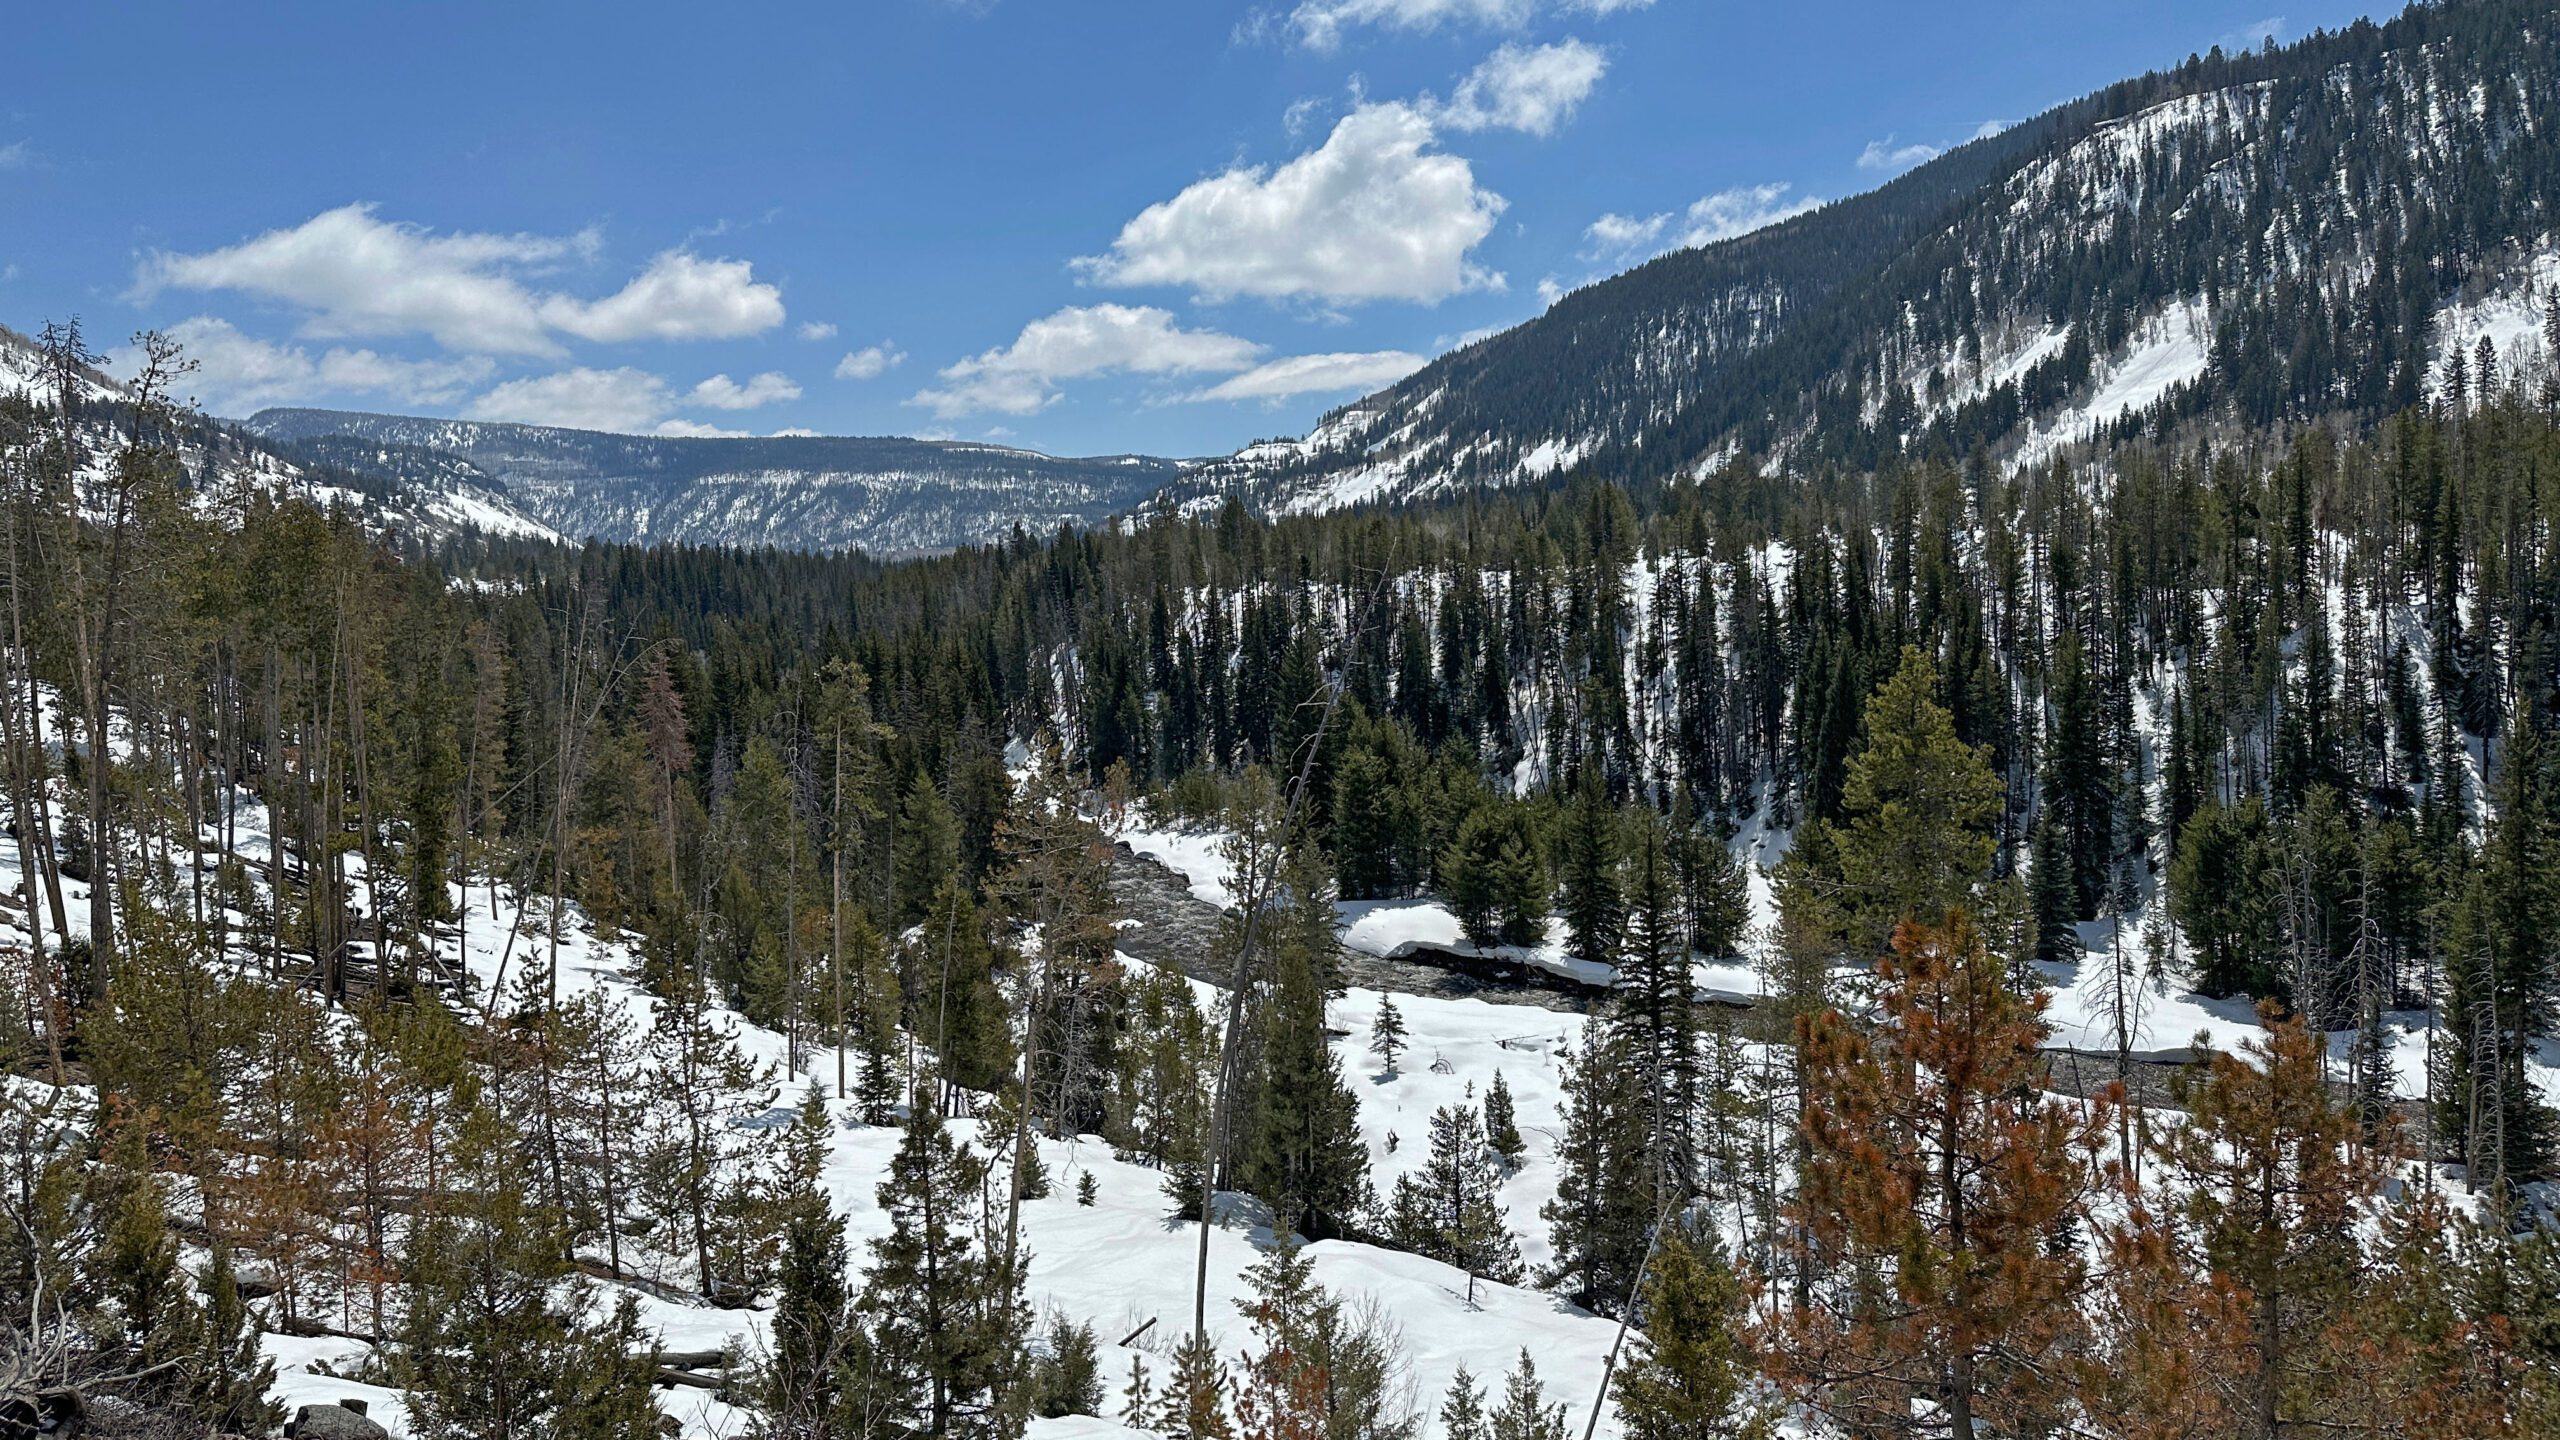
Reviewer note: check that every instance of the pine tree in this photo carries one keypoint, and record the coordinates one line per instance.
(1692, 1376)
(1933, 1166)
(799, 1386)
(2220, 894)
(1193, 1403)
(1069, 1378)
(958, 1011)
(497, 1340)
(231, 1380)
(2266, 1180)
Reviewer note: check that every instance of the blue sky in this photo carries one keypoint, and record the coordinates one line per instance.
(1079, 225)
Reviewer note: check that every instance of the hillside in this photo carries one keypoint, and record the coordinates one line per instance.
(886, 496)
(2259, 239)
(410, 504)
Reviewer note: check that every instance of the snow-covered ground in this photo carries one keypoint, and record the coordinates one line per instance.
(1113, 1265)
(2162, 1015)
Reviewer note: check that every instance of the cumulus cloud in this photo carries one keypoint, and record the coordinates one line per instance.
(1075, 343)
(1533, 89)
(817, 330)
(354, 274)
(679, 297)
(237, 373)
(1621, 239)
(1374, 213)
(1315, 374)
(1550, 290)
(870, 362)
(625, 400)
(1605, 7)
(722, 393)
(1884, 155)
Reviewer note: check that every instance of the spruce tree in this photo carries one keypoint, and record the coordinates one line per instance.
(2079, 787)
(1917, 807)
(946, 1323)
(1450, 1209)
(1303, 1153)
(1501, 1125)
(1495, 871)
(2050, 893)
(1462, 1415)
(1587, 885)
(1655, 1017)
(1386, 1033)
(2502, 984)
(1605, 1203)
(1524, 1413)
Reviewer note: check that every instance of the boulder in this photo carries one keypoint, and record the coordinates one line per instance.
(334, 1422)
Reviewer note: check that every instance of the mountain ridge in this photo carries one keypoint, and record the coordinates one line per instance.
(887, 495)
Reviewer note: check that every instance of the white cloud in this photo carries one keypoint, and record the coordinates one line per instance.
(1616, 236)
(679, 297)
(1371, 214)
(237, 373)
(817, 330)
(16, 155)
(1363, 371)
(1622, 239)
(1072, 344)
(1319, 24)
(1528, 88)
(2255, 35)
(870, 362)
(722, 393)
(1300, 113)
(357, 275)
(696, 430)
(1550, 290)
(796, 432)
(1887, 156)
(625, 400)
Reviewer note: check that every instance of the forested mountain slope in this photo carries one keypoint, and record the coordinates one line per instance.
(885, 495)
(413, 504)
(2252, 239)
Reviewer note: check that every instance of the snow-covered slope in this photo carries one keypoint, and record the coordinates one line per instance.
(886, 496)
(427, 503)
(2278, 235)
